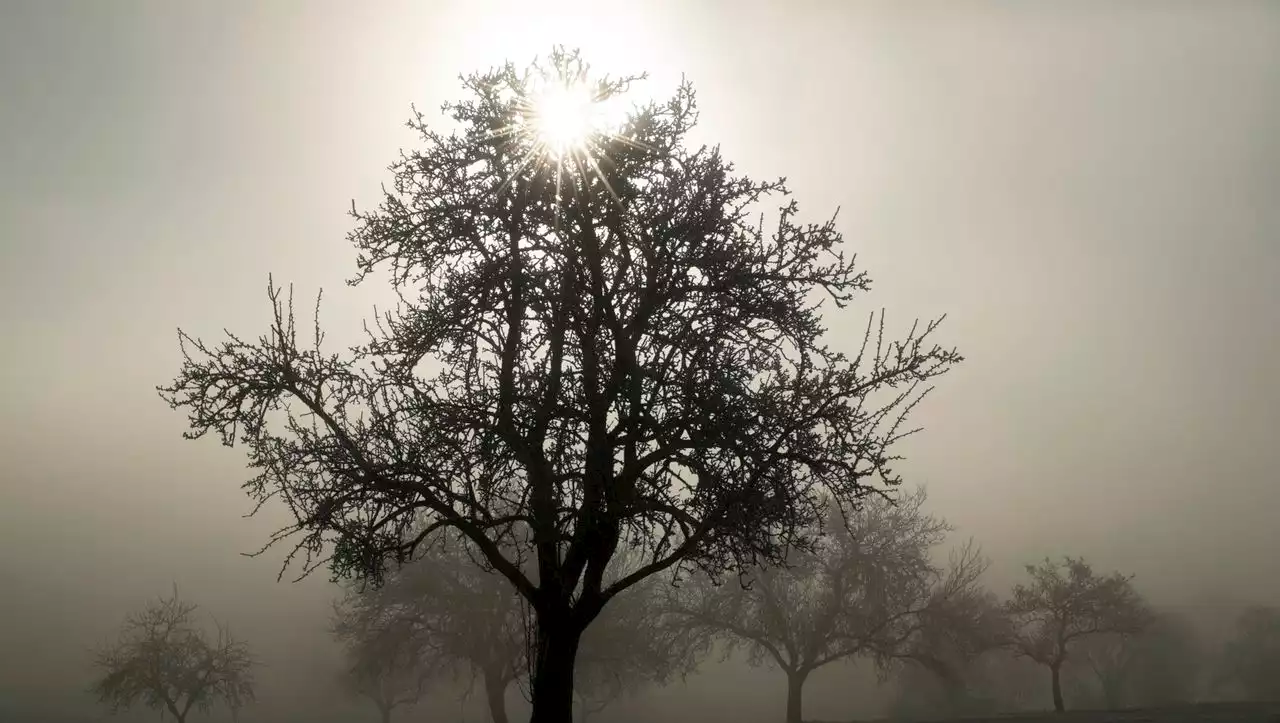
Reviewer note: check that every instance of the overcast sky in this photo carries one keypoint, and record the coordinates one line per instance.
(1090, 191)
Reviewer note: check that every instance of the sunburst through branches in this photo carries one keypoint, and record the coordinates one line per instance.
(566, 120)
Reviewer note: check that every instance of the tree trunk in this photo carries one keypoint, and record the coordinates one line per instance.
(495, 690)
(954, 687)
(795, 695)
(1113, 692)
(385, 710)
(557, 648)
(1056, 671)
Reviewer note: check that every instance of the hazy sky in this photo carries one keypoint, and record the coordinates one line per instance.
(1090, 190)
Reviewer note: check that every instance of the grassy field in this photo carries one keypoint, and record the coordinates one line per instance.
(1202, 713)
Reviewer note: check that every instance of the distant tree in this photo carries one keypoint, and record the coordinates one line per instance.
(1251, 660)
(599, 340)
(632, 645)
(1157, 666)
(449, 611)
(445, 610)
(864, 591)
(166, 661)
(954, 631)
(1169, 662)
(1065, 603)
(1109, 662)
(387, 662)
(1010, 682)
(993, 682)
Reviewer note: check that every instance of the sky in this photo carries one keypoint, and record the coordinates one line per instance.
(1089, 190)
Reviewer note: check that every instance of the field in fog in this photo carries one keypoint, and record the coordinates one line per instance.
(562, 361)
(1203, 713)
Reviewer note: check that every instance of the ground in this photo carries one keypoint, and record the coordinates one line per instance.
(1202, 713)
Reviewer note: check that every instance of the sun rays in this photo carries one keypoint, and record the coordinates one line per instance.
(565, 118)
(567, 123)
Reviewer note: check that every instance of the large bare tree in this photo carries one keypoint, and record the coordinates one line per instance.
(606, 339)
(1066, 602)
(865, 591)
(165, 660)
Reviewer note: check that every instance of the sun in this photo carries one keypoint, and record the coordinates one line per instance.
(568, 122)
(565, 118)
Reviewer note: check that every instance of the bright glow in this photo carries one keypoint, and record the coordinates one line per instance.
(566, 118)
(567, 124)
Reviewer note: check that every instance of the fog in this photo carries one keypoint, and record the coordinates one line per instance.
(1088, 190)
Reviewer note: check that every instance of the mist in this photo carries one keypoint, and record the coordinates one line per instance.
(1087, 190)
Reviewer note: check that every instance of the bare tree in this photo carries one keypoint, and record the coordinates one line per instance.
(961, 624)
(1110, 658)
(1067, 602)
(995, 681)
(862, 592)
(1168, 662)
(601, 342)
(388, 662)
(1157, 666)
(1251, 659)
(164, 660)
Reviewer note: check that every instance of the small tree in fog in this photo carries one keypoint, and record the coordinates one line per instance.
(863, 592)
(1168, 662)
(1157, 666)
(387, 662)
(631, 646)
(952, 633)
(166, 661)
(997, 681)
(1251, 659)
(447, 610)
(1066, 603)
(600, 340)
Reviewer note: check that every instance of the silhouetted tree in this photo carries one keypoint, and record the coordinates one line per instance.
(1251, 660)
(864, 591)
(1065, 603)
(164, 660)
(603, 344)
